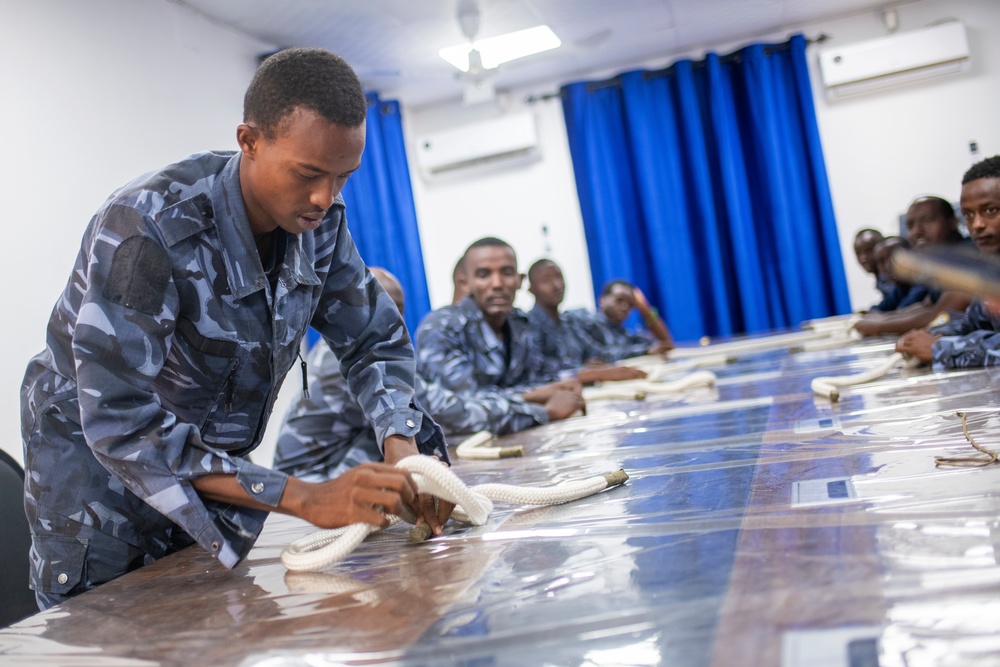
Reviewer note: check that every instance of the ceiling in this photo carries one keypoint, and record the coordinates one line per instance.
(393, 44)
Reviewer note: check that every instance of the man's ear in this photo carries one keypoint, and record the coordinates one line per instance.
(247, 137)
(520, 280)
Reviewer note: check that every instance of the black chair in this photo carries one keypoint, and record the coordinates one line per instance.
(18, 601)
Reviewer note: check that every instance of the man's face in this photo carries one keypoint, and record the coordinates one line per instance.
(864, 249)
(883, 257)
(926, 224)
(617, 303)
(981, 208)
(291, 180)
(548, 286)
(493, 279)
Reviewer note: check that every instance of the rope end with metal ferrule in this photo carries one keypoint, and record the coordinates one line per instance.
(616, 478)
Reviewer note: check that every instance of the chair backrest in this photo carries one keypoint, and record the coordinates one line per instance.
(17, 601)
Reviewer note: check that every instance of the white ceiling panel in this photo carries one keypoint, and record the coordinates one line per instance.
(393, 44)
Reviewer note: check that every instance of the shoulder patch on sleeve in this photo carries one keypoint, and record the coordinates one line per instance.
(140, 271)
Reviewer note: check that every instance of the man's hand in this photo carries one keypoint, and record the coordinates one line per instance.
(398, 447)
(609, 374)
(867, 325)
(360, 495)
(661, 348)
(564, 404)
(545, 392)
(918, 343)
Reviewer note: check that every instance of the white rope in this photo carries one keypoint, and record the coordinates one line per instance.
(828, 387)
(472, 505)
(637, 390)
(474, 447)
(737, 347)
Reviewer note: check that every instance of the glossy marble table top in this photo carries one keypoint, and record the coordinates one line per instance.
(761, 526)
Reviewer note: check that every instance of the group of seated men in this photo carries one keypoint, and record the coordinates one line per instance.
(485, 365)
(949, 329)
(482, 364)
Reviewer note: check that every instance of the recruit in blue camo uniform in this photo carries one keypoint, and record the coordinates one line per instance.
(326, 433)
(970, 341)
(166, 350)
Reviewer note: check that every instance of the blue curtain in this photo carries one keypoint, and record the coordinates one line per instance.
(704, 184)
(380, 211)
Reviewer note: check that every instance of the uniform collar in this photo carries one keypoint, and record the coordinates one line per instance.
(243, 267)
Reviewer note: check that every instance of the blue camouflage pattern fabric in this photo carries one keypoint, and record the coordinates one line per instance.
(165, 353)
(613, 340)
(326, 433)
(970, 341)
(458, 349)
(564, 346)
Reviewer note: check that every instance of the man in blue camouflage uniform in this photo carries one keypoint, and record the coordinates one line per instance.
(605, 329)
(484, 344)
(564, 345)
(930, 221)
(325, 432)
(191, 293)
(972, 340)
(865, 241)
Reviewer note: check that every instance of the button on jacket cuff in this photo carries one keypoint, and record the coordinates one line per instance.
(262, 484)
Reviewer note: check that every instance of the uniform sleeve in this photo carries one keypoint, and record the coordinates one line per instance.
(366, 332)
(495, 412)
(442, 357)
(973, 350)
(123, 333)
(891, 296)
(975, 318)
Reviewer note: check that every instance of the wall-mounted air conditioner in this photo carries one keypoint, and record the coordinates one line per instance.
(896, 59)
(507, 139)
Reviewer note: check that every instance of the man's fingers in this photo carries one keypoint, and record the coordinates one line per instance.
(389, 477)
(444, 511)
(430, 515)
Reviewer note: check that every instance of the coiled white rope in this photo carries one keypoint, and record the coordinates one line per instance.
(637, 390)
(828, 387)
(472, 505)
(474, 447)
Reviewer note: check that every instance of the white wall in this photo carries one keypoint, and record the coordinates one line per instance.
(512, 202)
(94, 94)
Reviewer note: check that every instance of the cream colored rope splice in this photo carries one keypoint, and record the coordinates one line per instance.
(637, 390)
(474, 447)
(829, 387)
(968, 461)
(472, 505)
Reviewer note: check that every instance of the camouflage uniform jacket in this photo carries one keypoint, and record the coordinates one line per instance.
(563, 343)
(969, 341)
(613, 340)
(166, 351)
(458, 349)
(326, 433)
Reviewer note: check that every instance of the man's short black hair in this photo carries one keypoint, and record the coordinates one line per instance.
(486, 242)
(945, 209)
(538, 266)
(311, 78)
(867, 230)
(988, 168)
(611, 285)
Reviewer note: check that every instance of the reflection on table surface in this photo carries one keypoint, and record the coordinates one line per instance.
(761, 526)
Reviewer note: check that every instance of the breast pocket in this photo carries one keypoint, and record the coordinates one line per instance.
(200, 374)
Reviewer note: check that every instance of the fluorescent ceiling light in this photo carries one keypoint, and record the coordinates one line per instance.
(503, 48)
